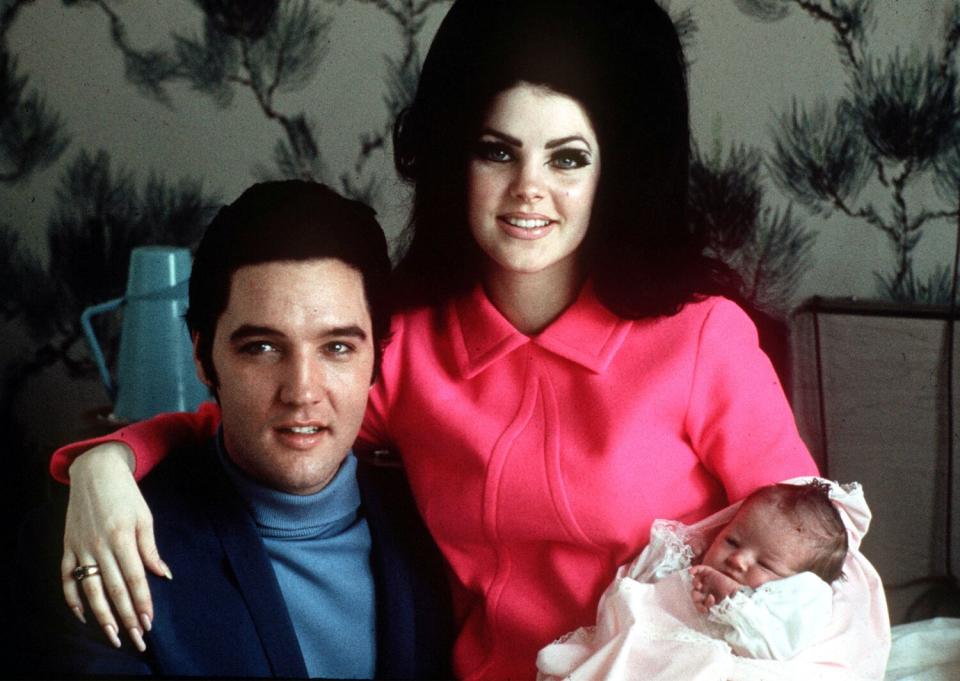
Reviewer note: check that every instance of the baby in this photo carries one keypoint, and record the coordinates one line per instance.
(780, 531)
(789, 539)
(747, 587)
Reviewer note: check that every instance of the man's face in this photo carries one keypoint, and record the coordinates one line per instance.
(293, 352)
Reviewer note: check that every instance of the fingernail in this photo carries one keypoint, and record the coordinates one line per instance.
(166, 570)
(78, 611)
(137, 638)
(145, 620)
(112, 635)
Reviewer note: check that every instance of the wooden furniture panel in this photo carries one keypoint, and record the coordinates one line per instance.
(870, 397)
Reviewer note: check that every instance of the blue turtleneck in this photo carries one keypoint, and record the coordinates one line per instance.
(319, 546)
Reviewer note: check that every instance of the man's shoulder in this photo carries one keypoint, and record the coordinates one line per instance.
(385, 496)
(187, 486)
(187, 466)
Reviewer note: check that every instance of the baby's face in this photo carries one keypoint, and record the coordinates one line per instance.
(758, 546)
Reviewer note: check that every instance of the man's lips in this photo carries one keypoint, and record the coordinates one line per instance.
(301, 435)
(301, 428)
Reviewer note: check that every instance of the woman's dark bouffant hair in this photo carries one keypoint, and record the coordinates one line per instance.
(622, 61)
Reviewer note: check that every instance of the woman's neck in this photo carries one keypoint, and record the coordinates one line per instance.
(531, 301)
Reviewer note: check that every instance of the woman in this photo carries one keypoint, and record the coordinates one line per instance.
(559, 374)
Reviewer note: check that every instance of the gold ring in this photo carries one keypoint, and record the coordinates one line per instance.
(81, 572)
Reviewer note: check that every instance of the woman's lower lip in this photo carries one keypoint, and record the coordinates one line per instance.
(527, 233)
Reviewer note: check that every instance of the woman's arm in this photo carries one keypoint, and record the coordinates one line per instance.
(738, 419)
(148, 441)
(108, 522)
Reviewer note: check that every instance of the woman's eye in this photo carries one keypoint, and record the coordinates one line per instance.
(494, 151)
(570, 159)
(732, 542)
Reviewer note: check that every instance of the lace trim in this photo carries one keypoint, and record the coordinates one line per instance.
(734, 602)
(669, 551)
(581, 634)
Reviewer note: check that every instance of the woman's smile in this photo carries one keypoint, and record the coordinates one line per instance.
(526, 225)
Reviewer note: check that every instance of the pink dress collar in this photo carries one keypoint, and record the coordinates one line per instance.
(587, 333)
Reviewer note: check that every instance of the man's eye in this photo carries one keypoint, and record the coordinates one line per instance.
(733, 542)
(494, 151)
(257, 348)
(338, 348)
(570, 159)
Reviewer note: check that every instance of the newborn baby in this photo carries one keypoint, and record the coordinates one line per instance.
(759, 590)
(791, 535)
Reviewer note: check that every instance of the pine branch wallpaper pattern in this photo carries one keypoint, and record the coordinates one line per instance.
(257, 73)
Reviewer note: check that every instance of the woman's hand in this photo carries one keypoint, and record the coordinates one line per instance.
(109, 526)
(710, 587)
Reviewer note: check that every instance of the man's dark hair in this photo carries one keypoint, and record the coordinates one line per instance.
(290, 220)
(818, 519)
(623, 62)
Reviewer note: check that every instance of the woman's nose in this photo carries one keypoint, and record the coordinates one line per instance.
(528, 182)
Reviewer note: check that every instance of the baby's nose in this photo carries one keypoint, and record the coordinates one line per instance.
(737, 560)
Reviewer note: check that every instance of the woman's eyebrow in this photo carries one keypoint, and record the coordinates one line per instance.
(551, 144)
(509, 139)
(563, 140)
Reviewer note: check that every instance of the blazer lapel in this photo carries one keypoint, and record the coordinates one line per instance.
(414, 616)
(251, 567)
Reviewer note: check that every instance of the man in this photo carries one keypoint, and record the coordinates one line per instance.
(290, 557)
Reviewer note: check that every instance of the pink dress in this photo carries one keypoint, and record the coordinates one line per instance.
(539, 463)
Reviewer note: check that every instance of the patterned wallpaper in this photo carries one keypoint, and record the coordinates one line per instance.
(826, 160)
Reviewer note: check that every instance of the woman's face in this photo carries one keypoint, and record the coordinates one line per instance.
(531, 181)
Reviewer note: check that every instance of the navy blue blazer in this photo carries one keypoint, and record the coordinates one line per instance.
(223, 613)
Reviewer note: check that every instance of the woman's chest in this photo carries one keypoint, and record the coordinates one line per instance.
(535, 449)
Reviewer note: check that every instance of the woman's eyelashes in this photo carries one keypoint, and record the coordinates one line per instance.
(498, 152)
(570, 158)
(567, 158)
